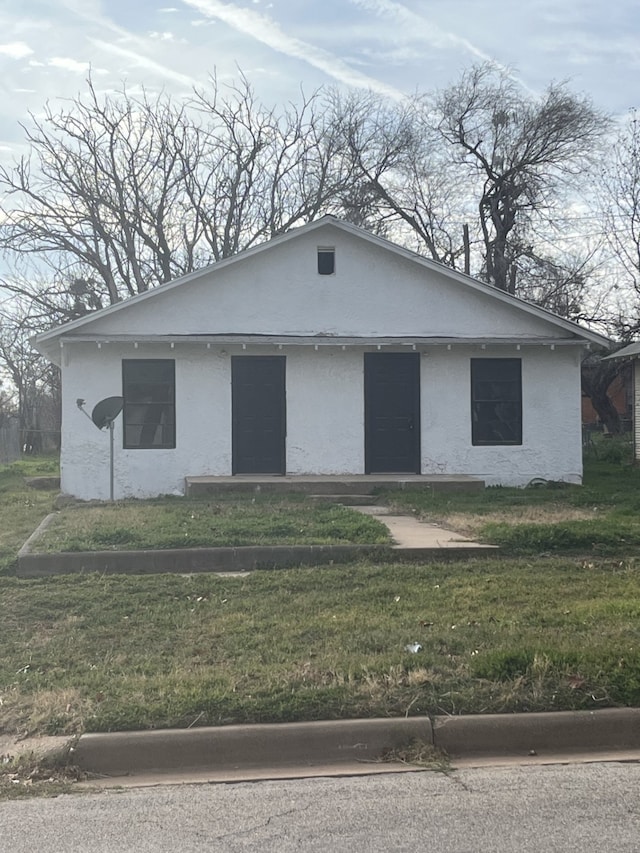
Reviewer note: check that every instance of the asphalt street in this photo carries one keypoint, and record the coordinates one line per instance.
(580, 807)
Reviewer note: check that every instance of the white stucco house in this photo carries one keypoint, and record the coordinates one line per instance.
(325, 351)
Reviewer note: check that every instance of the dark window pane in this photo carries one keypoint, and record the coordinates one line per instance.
(149, 393)
(149, 371)
(496, 401)
(326, 261)
(149, 403)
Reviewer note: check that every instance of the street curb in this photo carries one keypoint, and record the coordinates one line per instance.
(256, 751)
(544, 733)
(226, 749)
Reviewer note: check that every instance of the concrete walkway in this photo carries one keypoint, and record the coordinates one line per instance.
(409, 532)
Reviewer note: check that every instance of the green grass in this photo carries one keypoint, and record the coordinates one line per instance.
(120, 652)
(22, 508)
(182, 523)
(522, 633)
(601, 517)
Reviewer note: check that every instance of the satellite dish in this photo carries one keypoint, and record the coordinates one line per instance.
(106, 411)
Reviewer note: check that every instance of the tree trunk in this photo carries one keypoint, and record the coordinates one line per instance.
(597, 377)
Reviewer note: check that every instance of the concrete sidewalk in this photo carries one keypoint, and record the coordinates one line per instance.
(408, 532)
(355, 747)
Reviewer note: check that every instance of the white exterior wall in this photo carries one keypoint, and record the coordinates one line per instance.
(203, 423)
(374, 292)
(551, 429)
(325, 417)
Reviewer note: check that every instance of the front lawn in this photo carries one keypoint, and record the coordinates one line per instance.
(123, 652)
(191, 523)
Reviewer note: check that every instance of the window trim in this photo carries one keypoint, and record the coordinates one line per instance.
(475, 440)
(170, 404)
(326, 250)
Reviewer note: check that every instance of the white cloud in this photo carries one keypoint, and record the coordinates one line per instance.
(420, 27)
(265, 30)
(400, 55)
(167, 10)
(90, 11)
(417, 27)
(15, 50)
(69, 64)
(161, 36)
(145, 62)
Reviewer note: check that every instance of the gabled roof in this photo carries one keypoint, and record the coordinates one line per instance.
(46, 342)
(629, 351)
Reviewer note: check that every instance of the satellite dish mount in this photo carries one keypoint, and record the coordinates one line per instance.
(103, 415)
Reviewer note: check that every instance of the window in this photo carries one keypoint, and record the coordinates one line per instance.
(496, 401)
(326, 260)
(148, 388)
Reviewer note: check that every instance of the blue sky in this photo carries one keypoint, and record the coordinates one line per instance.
(390, 46)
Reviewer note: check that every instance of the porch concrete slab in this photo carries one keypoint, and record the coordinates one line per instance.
(409, 532)
(338, 484)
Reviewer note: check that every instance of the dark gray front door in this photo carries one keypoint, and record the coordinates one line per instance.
(258, 414)
(392, 412)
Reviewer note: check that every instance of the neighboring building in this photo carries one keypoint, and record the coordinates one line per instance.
(324, 351)
(632, 353)
(620, 392)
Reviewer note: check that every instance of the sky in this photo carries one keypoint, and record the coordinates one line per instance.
(393, 47)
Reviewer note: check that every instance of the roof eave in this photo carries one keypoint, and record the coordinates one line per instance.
(467, 280)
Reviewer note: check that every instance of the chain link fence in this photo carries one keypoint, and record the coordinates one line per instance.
(15, 442)
(10, 442)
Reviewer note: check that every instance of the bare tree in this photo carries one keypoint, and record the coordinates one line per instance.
(259, 172)
(36, 382)
(598, 375)
(402, 173)
(620, 207)
(518, 153)
(120, 194)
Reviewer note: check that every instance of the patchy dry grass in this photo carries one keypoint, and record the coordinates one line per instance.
(183, 523)
(470, 523)
(601, 517)
(123, 652)
(420, 753)
(22, 508)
